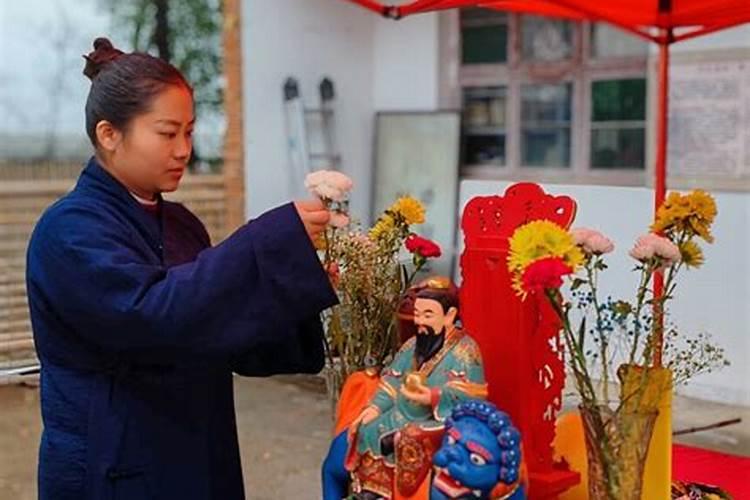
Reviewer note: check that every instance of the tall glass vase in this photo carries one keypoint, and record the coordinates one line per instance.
(616, 446)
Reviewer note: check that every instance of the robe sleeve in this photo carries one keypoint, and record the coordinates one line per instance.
(465, 381)
(390, 380)
(304, 354)
(258, 287)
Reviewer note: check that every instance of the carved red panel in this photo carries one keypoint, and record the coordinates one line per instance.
(519, 342)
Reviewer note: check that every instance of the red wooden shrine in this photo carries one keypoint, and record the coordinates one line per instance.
(520, 347)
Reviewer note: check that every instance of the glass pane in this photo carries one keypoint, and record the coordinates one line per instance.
(477, 15)
(484, 106)
(618, 100)
(608, 41)
(484, 36)
(618, 148)
(546, 147)
(484, 44)
(545, 115)
(546, 39)
(484, 149)
(546, 103)
(484, 125)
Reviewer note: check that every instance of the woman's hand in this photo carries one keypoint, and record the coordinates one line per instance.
(314, 216)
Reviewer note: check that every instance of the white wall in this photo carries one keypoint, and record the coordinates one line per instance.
(308, 39)
(731, 38)
(376, 65)
(712, 299)
(406, 63)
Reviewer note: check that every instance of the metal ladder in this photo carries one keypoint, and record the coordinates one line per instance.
(299, 125)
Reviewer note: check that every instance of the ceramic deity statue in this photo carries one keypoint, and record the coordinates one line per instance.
(434, 371)
(480, 456)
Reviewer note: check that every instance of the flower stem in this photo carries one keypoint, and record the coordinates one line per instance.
(603, 341)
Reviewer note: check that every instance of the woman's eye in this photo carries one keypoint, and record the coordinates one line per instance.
(189, 133)
(477, 459)
(169, 135)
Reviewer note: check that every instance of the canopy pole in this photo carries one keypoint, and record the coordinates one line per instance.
(662, 130)
(660, 181)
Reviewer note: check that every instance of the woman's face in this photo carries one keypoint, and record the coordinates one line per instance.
(152, 153)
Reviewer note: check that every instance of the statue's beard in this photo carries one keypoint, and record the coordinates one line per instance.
(428, 344)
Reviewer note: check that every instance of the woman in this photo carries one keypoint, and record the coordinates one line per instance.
(139, 323)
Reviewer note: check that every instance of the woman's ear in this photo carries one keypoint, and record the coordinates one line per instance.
(107, 136)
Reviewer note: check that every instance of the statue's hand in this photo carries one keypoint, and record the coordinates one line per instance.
(418, 394)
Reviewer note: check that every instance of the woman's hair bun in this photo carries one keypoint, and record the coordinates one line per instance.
(104, 52)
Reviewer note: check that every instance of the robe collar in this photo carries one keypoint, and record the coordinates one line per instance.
(104, 186)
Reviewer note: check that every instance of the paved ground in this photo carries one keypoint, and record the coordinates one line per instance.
(284, 427)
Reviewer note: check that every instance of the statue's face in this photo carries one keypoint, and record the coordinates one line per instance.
(430, 318)
(468, 460)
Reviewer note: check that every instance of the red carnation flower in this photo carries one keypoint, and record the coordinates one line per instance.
(545, 273)
(422, 246)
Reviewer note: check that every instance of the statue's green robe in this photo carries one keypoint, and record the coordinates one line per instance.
(454, 374)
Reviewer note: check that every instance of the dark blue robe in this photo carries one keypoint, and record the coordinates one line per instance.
(139, 325)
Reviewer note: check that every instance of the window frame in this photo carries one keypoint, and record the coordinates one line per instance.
(581, 70)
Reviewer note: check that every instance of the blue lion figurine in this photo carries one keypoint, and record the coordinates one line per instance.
(480, 456)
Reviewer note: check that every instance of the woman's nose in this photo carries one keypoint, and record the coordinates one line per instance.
(183, 148)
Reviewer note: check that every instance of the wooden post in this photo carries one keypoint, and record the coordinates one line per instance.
(234, 154)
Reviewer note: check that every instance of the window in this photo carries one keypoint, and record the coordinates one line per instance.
(547, 99)
(607, 41)
(618, 123)
(545, 40)
(545, 125)
(484, 126)
(484, 36)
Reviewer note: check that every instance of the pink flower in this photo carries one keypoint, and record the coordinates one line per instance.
(338, 220)
(545, 273)
(581, 234)
(592, 241)
(328, 185)
(652, 245)
(599, 244)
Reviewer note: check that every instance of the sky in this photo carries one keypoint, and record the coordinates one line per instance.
(42, 87)
(41, 82)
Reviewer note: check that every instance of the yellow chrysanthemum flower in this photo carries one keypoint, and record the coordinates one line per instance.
(539, 239)
(692, 255)
(410, 209)
(692, 214)
(517, 285)
(383, 226)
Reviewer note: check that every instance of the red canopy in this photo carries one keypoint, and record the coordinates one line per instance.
(685, 18)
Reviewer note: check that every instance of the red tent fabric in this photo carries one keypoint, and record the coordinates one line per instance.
(688, 18)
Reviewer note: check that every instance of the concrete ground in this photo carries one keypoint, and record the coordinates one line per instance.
(284, 426)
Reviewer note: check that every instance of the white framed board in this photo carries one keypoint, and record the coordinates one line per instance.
(417, 153)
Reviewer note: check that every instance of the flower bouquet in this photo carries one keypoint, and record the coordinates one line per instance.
(614, 347)
(370, 275)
